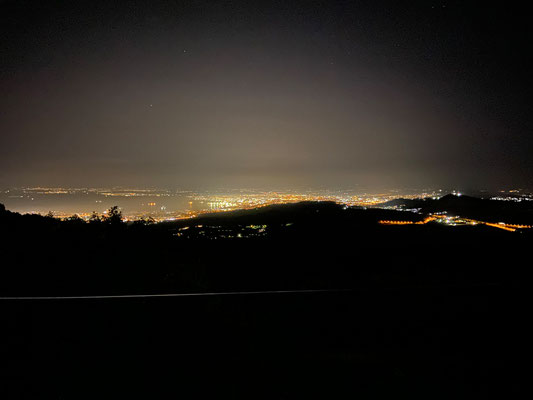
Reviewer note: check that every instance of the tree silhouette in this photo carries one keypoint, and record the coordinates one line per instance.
(114, 216)
(94, 218)
(75, 218)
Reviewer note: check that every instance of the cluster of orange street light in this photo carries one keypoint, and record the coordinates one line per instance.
(501, 225)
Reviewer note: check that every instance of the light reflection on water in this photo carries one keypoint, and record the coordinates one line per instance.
(87, 202)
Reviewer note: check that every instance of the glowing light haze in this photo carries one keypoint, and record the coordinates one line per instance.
(277, 93)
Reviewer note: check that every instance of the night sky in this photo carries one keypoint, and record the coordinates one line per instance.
(275, 94)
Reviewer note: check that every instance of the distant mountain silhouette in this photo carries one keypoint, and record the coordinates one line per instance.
(471, 207)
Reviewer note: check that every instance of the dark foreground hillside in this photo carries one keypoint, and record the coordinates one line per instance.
(296, 246)
(429, 311)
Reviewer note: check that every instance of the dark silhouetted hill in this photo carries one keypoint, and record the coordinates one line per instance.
(471, 207)
(431, 309)
(304, 245)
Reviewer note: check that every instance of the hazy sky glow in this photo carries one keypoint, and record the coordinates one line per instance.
(289, 93)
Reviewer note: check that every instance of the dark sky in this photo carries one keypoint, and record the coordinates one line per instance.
(265, 94)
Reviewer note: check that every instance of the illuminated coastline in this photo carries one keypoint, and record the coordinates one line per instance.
(160, 205)
(157, 203)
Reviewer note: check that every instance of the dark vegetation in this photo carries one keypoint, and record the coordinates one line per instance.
(432, 311)
(295, 246)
